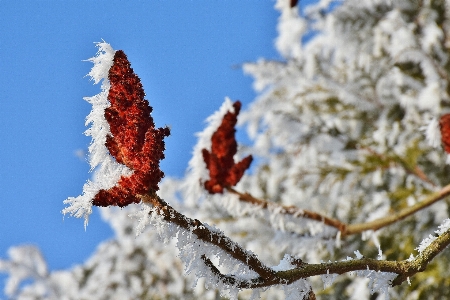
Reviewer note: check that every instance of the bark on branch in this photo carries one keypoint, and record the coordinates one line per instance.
(268, 277)
(203, 233)
(344, 228)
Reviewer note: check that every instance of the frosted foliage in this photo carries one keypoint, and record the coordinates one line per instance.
(346, 126)
(290, 30)
(297, 290)
(125, 267)
(443, 228)
(433, 133)
(429, 96)
(336, 127)
(103, 61)
(305, 125)
(26, 262)
(380, 282)
(285, 264)
(109, 170)
(328, 279)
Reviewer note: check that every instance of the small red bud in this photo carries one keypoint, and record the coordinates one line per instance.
(134, 141)
(223, 171)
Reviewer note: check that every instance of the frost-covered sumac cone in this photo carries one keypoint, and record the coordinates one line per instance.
(125, 143)
(133, 141)
(223, 171)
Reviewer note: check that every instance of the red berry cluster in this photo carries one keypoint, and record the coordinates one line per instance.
(133, 141)
(223, 171)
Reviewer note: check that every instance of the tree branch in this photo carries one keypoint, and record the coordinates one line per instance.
(290, 210)
(268, 277)
(397, 216)
(420, 263)
(346, 229)
(218, 239)
(404, 269)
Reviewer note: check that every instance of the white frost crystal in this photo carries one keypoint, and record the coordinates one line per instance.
(109, 170)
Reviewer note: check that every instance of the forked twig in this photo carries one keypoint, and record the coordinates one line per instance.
(269, 277)
(218, 239)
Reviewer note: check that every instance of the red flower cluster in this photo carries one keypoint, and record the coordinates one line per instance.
(444, 124)
(134, 141)
(223, 171)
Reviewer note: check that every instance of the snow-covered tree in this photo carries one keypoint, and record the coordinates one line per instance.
(348, 179)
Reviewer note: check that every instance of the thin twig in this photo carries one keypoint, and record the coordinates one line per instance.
(289, 210)
(344, 228)
(397, 216)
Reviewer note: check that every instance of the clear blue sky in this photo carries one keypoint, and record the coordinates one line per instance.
(187, 54)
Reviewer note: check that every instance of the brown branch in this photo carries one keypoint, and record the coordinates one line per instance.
(268, 277)
(395, 217)
(243, 284)
(341, 267)
(420, 263)
(404, 269)
(344, 228)
(290, 210)
(218, 239)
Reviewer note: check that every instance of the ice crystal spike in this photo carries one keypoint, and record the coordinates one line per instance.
(133, 139)
(444, 124)
(223, 171)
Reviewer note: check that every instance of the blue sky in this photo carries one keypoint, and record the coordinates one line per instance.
(188, 56)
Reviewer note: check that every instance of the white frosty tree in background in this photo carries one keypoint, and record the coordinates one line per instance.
(349, 175)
